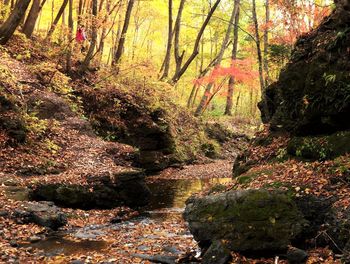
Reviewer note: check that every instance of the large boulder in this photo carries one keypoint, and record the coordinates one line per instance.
(11, 122)
(126, 188)
(41, 213)
(247, 220)
(129, 119)
(312, 94)
(49, 106)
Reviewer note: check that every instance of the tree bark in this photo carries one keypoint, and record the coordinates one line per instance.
(70, 38)
(177, 28)
(57, 19)
(218, 60)
(32, 17)
(266, 43)
(170, 41)
(260, 60)
(178, 74)
(9, 26)
(90, 53)
(231, 82)
(120, 49)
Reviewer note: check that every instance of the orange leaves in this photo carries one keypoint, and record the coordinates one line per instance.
(294, 19)
(241, 70)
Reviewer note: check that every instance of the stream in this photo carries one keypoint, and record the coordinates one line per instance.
(167, 203)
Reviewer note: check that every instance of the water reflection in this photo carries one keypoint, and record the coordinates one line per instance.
(58, 245)
(169, 196)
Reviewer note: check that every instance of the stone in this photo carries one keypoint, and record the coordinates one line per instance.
(13, 243)
(311, 95)
(34, 239)
(248, 220)
(3, 213)
(41, 213)
(49, 106)
(296, 256)
(11, 182)
(216, 254)
(125, 188)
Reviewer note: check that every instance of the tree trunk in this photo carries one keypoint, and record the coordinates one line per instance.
(231, 82)
(90, 53)
(260, 59)
(8, 28)
(119, 53)
(178, 74)
(177, 28)
(32, 17)
(70, 38)
(170, 41)
(103, 34)
(218, 60)
(266, 43)
(57, 18)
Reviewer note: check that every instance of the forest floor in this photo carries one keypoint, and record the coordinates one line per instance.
(71, 153)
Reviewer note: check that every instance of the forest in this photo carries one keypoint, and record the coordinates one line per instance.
(175, 131)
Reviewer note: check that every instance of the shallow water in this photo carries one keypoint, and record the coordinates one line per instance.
(57, 245)
(169, 196)
(167, 202)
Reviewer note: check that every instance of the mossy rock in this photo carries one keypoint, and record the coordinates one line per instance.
(128, 189)
(249, 220)
(242, 164)
(211, 149)
(320, 147)
(312, 94)
(218, 132)
(251, 175)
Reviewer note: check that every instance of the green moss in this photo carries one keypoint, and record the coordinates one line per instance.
(217, 188)
(211, 149)
(251, 175)
(255, 219)
(320, 147)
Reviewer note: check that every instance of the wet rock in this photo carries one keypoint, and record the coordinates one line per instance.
(216, 254)
(248, 220)
(143, 248)
(10, 182)
(17, 193)
(13, 243)
(116, 220)
(3, 213)
(89, 234)
(77, 261)
(126, 188)
(172, 250)
(34, 239)
(132, 188)
(157, 258)
(41, 213)
(296, 256)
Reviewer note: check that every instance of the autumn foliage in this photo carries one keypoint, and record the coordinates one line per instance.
(240, 70)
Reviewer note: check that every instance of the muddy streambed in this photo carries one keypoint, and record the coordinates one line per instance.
(166, 206)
